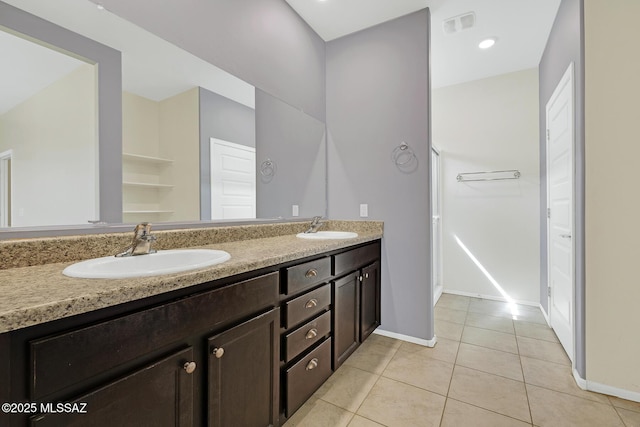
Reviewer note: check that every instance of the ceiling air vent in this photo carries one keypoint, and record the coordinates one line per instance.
(459, 23)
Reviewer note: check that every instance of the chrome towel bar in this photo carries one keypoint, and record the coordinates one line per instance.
(489, 175)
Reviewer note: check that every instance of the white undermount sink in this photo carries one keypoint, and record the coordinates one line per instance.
(327, 235)
(161, 262)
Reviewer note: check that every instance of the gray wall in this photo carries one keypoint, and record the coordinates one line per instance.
(377, 97)
(296, 142)
(109, 97)
(224, 119)
(566, 44)
(261, 41)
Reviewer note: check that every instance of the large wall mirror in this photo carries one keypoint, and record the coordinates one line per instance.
(194, 144)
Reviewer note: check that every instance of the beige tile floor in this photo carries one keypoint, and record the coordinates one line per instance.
(491, 367)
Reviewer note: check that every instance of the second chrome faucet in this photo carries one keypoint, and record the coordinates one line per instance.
(315, 224)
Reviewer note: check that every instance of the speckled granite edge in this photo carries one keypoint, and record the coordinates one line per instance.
(38, 294)
(40, 251)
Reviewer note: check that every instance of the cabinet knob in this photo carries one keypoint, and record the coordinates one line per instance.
(311, 303)
(218, 352)
(313, 364)
(366, 275)
(360, 278)
(311, 334)
(311, 273)
(190, 367)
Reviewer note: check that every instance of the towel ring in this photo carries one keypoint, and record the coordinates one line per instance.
(268, 168)
(402, 155)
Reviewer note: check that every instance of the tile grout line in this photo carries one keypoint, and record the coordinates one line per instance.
(521, 356)
(488, 410)
(488, 373)
(455, 363)
(524, 379)
(374, 384)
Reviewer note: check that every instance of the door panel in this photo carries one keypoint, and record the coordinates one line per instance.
(369, 300)
(560, 191)
(346, 323)
(233, 180)
(243, 374)
(160, 394)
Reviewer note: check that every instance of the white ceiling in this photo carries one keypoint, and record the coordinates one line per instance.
(156, 69)
(332, 19)
(521, 26)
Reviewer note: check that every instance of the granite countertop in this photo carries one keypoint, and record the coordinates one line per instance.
(38, 294)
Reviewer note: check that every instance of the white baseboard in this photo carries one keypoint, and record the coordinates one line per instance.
(544, 313)
(605, 389)
(491, 297)
(407, 338)
(437, 294)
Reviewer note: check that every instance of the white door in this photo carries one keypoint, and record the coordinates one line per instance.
(436, 227)
(233, 180)
(560, 261)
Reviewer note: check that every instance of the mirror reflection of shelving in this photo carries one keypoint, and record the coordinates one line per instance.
(146, 186)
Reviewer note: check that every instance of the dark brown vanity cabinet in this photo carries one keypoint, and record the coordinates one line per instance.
(243, 351)
(343, 305)
(156, 363)
(356, 299)
(306, 335)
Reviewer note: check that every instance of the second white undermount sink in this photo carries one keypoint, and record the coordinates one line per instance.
(327, 235)
(161, 262)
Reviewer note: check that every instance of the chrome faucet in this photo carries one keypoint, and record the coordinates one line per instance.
(142, 240)
(315, 224)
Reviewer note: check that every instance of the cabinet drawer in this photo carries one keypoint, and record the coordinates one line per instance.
(305, 336)
(304, 378)
(63, 360)
(355, 258)
(303, 276)
(306, 306)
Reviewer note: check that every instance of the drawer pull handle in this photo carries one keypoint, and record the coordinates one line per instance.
(313, 364)
(311, 303)
(218, 352)
(190, 367)
(311, 334)
(311, 273)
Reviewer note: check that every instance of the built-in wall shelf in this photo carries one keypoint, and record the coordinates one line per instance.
(146, 185)
(146, 159)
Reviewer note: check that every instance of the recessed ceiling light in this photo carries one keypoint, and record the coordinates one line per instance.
(100, 6)
(487, 43)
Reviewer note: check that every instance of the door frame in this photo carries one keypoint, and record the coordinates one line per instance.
(436, 243)
(6, 184)
(570, 76)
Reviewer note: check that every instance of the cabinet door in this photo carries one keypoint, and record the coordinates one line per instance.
(243, 374)
(160, 394)
(346, 322)
(369, 300)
